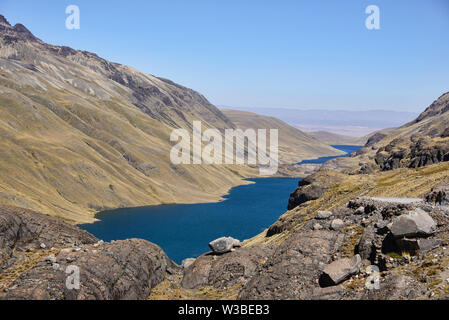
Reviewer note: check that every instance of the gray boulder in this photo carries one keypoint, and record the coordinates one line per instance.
(340, 270)
(337, 224)
(323, 215)
(415, 223)
(224, 244)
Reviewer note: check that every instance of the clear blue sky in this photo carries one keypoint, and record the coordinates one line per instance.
(244, 53)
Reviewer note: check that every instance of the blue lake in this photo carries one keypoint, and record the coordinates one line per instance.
(184, 230)
(347, 149)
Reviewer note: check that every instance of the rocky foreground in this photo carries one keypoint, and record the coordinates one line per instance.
(368, 248)
(38, 252)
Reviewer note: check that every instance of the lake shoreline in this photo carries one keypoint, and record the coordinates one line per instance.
(184, 230)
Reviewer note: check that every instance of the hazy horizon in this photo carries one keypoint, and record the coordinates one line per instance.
(357, 123)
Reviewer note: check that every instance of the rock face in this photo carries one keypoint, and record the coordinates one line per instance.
(119, 270)
(22, 229)
(296, 263)
(412, 152)
(224, 270)
(414, 224)
(224, 244)
(313, 187)
(340, 270)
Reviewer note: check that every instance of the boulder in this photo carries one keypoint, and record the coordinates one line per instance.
(224, 244)
(366, 247)
(337, 224)
(340, 270)
(224, 271)
(323, 215)
(414, 224)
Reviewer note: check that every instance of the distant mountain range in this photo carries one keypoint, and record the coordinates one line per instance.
(344, 122)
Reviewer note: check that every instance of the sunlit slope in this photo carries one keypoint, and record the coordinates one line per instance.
(294, 145)
(80, 134)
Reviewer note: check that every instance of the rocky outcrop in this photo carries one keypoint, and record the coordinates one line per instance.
(414, 152)
(313, 187)
(72, 264)
(292, 272)
(112, 271)
(22, 229)
(319, 261)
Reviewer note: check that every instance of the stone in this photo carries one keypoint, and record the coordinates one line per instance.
(323, 215)
(415, 223)
(187, 262)
(340, 270)
(317, 226)
(337, 224)
(224, 245)
(360, 210)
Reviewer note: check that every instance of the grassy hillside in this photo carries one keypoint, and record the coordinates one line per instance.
(294, 145)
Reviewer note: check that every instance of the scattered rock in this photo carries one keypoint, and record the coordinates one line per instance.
(337, 224)
(124, 270)
(323, 215)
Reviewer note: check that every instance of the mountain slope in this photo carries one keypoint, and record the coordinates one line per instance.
(294, 145)
(80, 134)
